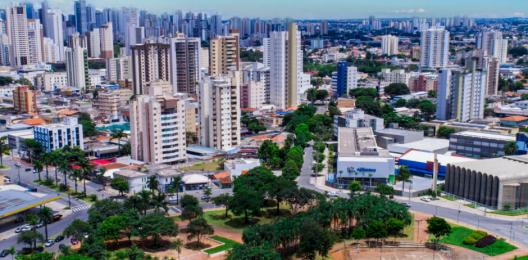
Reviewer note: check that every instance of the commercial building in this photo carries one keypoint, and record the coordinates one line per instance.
(157, 124)
(492, 43)
(25, 100)
(356, 118)
(423, 82)
(389, 45)
(387, 136)
(461, 95)
(224, 54)
(283, 55)
(56, 136)
(339, 80)
(150, 62)
(479, 144)
(422, 163)
(497, 183)
(434, 48)
(185, 64)
(359, 158)
(220, 111)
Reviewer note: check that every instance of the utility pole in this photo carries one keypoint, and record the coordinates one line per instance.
(435, 174)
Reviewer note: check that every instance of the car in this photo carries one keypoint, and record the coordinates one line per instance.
(28, 169)
(4, 253)
(74, 241)
(23, 228)
(59, 238)
(27, 228)
(57, 217)
(49, 243)
(39, 225)
(332, 194)
(407, 205)
(31, 189)
(205, 198)
(425, 199)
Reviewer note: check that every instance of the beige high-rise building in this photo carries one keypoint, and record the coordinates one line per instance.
(119, 69)
(150, 62)
(35, 41)
(224, 54)
(434, 48)
(17, 29)
(157, 124)
(25, 100)
(107, 104)
(219, 105)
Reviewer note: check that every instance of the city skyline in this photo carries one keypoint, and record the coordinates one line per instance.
(317, 9)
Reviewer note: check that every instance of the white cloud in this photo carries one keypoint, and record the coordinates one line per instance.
(519, 14)
(410, 11)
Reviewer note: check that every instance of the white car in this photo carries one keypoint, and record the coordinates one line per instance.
(332, 194)
(23, 228)
(425, 199)
(49, 243)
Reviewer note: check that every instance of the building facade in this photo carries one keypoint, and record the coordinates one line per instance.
(434, 48)
(25, 100)
(224, 54)
(150, 62)
(185, 64)
(389, 45)
(479, 144)
(56, 136)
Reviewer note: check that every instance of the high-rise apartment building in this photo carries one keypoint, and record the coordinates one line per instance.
(461, 94)
(94, 43)
(77, 67)
(219, 105)
(107, 41)
(224, 54)
(185, 64)
(255, 78)
(157, 124)
(389, 45)
(352, 78)
(492, 43)
(25, 100)
(150, 62)
(17, 29)
(55, 32)
(119, 69)
(283, 55)
(434, 48)
(35, 41)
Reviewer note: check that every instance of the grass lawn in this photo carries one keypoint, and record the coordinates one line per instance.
(449, 197)
(408, 231)
(4, 167)
(520, 258)
(513, 212)
(458, 234)
(228, 244)
(471, 205)
(204, 166)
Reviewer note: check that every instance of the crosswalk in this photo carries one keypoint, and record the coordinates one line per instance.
(80, 208)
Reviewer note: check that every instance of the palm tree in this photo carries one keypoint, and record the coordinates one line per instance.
(30, 238)
(404, 175)
(87, 168)
(178, 244)
(55, 158)
(12, 251)
(118, 134)
(64, 167)
(75, 175)
(46, 161)
(175, 186)
(38, 166)
(153, 184)
(45, 215)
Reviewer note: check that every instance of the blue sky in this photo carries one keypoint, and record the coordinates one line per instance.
(320, 8)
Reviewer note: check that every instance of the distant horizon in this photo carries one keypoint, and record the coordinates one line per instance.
(314, 9)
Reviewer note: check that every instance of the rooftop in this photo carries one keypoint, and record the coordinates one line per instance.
(505, 168)
(130, 174)
(485, 135)
(354, 142)
(515, 118)
(16, 201)
(424, 157)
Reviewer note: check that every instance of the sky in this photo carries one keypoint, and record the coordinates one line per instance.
(318, 9)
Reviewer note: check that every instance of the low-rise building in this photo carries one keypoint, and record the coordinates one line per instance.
(238, 167)
(479, 144)
(359, 158)
(137, 181)
(514, 121)
(357, 118)
(388, 136)
(497, 183)
(56, 136)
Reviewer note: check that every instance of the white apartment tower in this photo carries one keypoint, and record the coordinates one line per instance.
(157, 125)
(219, 106)
(352, 78)
(434, 48)
(283, 55)
(77, 67)
(119, 69)
(94, 43)
(461, 95)
(55, 32)
(389, 45)
(35, 41)
(107, 41)
(492, 43)
(17, 29)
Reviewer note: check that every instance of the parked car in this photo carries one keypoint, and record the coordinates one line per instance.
(4, 253)
(59, 238)
(28, 169)
(205, 198)
(332, 194)
(23, 228)
(407, 205)
(49, 243)
(425, 199)
(57, 217)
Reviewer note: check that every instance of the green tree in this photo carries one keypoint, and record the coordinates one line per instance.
(30, 238)
(223, 200)
(77, 230)
(197, 228)
(302, 135)
(322, 94)
(510, 148)
(120, 184)
(290, 170)
(404, 175)
(354, 187)
(311, 95)
(361, 92)
(24, 82)
(36, 256)
(118, 135)
(94, 247)
(518, 51)
(5, 80)
(445, 132)
(4, 149)
(175, 187)
(188, 200)
(155, 225)
(88, 125)
(385, 190)
(45, 216)
(438, 227)
(246, 201)
(314, 239)
(267, 151)
(103, 209)
(376, 229)
(110, 228)
(428, 109)
(394, 227)
(396, 89)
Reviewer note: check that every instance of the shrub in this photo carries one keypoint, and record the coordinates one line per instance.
(474, 237)
(485, 241)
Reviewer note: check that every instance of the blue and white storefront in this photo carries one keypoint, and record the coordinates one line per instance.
(370, 171)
